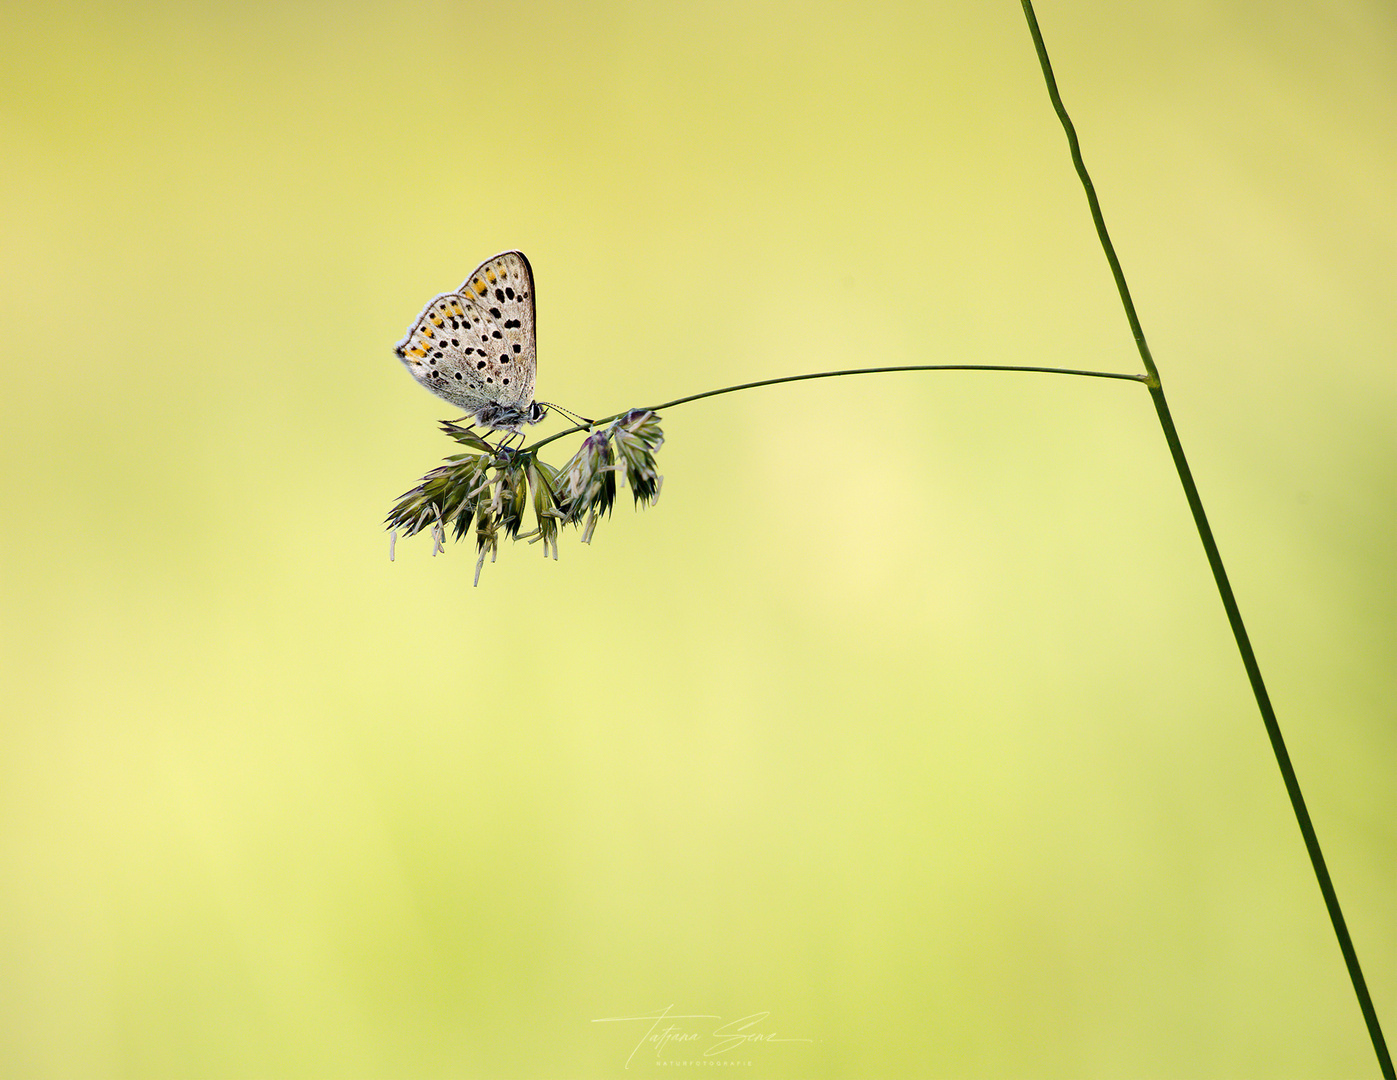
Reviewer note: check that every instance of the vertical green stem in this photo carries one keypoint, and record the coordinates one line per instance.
(1229, 602)
(1273, 732)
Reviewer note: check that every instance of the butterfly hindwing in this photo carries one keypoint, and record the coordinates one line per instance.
(437, 350)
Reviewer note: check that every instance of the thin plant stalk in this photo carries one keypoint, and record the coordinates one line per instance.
(1229, 602)
(836, 374)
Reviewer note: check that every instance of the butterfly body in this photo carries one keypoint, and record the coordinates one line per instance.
(476, 347)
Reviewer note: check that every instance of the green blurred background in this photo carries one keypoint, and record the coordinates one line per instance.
(909, 715)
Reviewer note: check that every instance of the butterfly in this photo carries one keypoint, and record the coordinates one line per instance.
(475, 346)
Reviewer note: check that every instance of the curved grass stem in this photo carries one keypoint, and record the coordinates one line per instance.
(850, 371)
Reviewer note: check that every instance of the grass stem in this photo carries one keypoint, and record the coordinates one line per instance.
(850, 371)
(1210, 548)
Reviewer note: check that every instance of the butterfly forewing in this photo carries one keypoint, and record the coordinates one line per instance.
(503, 290)
(475, 347)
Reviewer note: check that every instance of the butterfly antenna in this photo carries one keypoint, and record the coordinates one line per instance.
(574, 417)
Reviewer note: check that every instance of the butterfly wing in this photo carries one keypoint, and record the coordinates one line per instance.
(475, 347)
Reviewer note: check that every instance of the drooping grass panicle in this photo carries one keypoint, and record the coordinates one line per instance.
(493, 488)
(638, 436)
(543, 482)
(587, 483)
